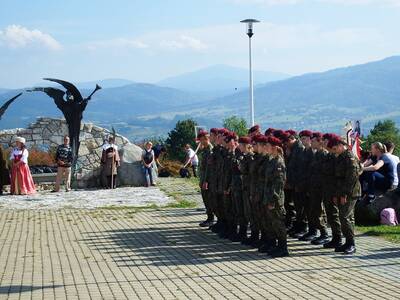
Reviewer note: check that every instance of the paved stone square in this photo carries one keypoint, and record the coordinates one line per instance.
(133, 253)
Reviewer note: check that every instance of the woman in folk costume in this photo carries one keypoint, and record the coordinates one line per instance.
(21, 178)
(110, 159)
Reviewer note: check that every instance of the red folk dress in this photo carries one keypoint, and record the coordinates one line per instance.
(21, 178)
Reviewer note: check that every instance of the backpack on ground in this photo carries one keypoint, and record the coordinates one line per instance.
(388, 217)
(184, 172)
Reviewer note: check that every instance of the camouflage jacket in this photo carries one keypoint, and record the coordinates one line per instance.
(303, 177)
(316, 167)
(261, 173)
(245, 170)
(347, 171)
(220, 169)
(328, 175)
(253, 174)
(234, 164)
(294, 164)
(275, 178)
(205, 164)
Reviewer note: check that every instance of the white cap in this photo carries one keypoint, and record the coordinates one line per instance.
(20, 139)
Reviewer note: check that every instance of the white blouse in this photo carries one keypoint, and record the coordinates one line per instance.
(17, 152)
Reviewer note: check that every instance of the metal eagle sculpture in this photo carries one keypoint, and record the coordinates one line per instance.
(72, 105)
(4, 107)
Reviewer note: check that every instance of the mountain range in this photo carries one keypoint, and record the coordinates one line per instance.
(318, 101)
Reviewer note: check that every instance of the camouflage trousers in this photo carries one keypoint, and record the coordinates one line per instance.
(247, 213)
(289, 207)
(346, 217)
(257, 213)
(300, 201)
(273, 222)
(332, 214)
(237, 207)
(206, 195)
(316, 215)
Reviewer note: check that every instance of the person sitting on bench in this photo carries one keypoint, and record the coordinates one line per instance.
(378, 173)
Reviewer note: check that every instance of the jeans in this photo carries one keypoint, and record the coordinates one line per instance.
(148, 174)
(375, 181)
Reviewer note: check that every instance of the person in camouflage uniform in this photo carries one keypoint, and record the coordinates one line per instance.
(295, 149)
(219, 154)
(317, 216)
(246, 149)
(254, 165)
(303, 184)
(205, 163)
(273, 200)
(348, 190)
(260, 216)
(211, 178)
(232, 187)
(328, 187)
(289, 191)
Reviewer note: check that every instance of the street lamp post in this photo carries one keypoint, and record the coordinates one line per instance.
(250, 33)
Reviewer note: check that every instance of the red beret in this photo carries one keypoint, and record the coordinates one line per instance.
(261, 139)
(202, 133)
(334, 141)
(254, 128)
(291, 132)
(222, 131)
(278, 133)
(214, 130)
(244, 140)
(274, 141)
(269, 131)
(305, 133)
(285, 137)
(317, 135)
(230, 136)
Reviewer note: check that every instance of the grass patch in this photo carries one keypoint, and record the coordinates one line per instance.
(389, 233)
(182, 204)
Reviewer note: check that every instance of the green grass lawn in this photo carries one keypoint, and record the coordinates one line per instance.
(390, 233)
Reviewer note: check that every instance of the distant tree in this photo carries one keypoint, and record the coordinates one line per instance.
(236, 124)
(384, 131)
(182, 134)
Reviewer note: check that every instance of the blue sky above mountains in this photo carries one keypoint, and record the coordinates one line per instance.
(147, 41)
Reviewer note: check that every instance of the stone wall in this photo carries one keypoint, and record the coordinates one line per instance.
(50, 132)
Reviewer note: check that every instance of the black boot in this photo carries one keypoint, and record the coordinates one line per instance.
(322, 239)
(215, 227)
(281, 250)
(351, 248)
(242, 233)
(268, 246)
(208, 222)
(222, 229)
(253, 236)
(309, 236)
(256, 242)
(347, 248)
(334, 243)
(233, 234)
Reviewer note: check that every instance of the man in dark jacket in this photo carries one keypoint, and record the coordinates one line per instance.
(64, 158)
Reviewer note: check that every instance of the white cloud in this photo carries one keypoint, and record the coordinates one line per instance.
(17, 36)
(184, 42)
(117, 43)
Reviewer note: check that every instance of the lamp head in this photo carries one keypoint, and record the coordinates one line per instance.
(249, 23)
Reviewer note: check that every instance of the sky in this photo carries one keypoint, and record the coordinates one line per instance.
(147, 41)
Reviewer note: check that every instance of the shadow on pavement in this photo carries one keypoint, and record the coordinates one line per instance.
(12, 289)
